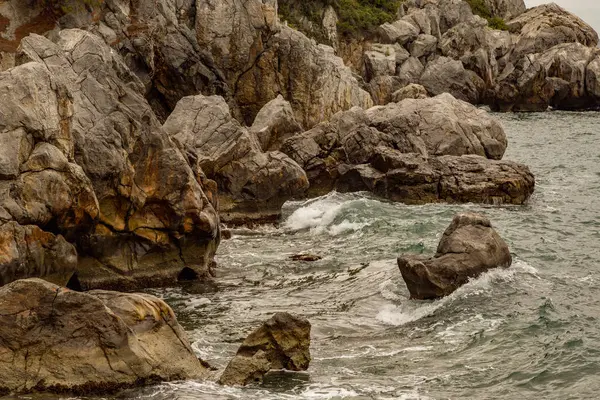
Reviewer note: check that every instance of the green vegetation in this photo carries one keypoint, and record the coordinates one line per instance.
(364, 16)
(480, 8)
(356, 17)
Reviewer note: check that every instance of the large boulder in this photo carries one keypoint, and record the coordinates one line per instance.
(57, 340)
(401, 31)
(546, 26)
(469, 247)
(346, 154)
(275, 123)
(27, 251)
(446, 75)
(95, 166)
(414, 179)
(253, 185)
(282, 342)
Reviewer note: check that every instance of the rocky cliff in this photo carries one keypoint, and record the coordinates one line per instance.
(131, 129)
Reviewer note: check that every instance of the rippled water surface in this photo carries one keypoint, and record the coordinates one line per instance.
(531, 331)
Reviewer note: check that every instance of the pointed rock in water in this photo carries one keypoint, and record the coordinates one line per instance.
(56, 340)
(469, 247)
(282, 342)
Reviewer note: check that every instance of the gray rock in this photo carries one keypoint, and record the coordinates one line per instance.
(411, 70)
(445, 75)
(275, 123)
(282, 342)
(27, 251)
(469, 247)
(547, 25)
(253, 185)
(103, 173)
(400, 31)
(381, 61)
(311, 77)
(506, 9)
(58, 340)
(345, 154)
(423, 46)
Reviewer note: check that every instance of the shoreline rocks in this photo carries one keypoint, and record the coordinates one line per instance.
(468, 248)
(61, 341)
(415, 151)
(281, 342)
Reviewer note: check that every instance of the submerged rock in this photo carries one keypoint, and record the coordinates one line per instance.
(469, 247)
(282, 342)
(57, 340)
(307, 257)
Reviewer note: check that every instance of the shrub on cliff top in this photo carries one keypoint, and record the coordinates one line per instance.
(356, 17)
(364, 16)
(480, 8)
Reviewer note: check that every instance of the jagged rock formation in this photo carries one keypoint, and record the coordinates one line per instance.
(91, 162)
(253, 184)
(58, 340)
(282, 342)
(413, 151)
(469, 247)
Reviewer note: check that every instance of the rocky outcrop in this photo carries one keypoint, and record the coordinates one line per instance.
(562, 77)
(253, 185)
(545, 26)
(445, 75)
(311, 77)
(411, 152)
(469, 247)
(58, 340)
(27, 250)
(282, 342)
(87, 159)
(506, 9)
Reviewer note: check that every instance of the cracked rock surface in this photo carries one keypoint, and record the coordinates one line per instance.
(54, 339)
(85, 158)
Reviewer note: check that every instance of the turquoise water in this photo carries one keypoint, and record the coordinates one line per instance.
(531, 331)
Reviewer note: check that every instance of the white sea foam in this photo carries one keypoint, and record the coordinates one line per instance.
(323, 215)
(410, 311)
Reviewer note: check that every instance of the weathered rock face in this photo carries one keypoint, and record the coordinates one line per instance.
(156, 39)
(363, 150)
(29, 251)
(282, 342)
(315, 81)
(547, 25)
(562, 77)
(90, 161)
(506, 9)
(445, 75)
(57, 340)
(469, 247)
(275, 123)
(253, 185)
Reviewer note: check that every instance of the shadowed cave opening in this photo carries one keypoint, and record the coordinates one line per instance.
(187, 274)
(74, 283)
